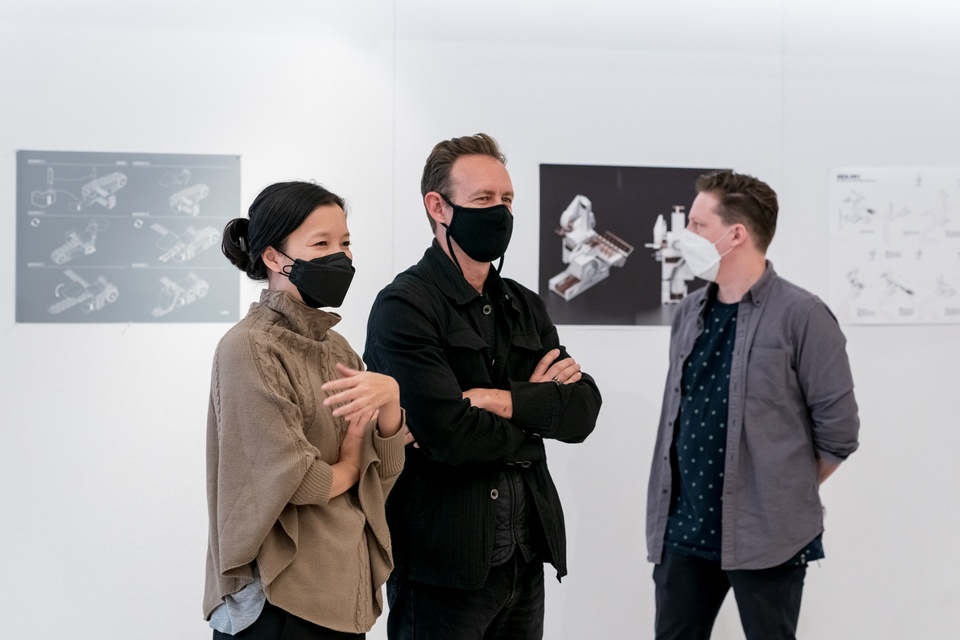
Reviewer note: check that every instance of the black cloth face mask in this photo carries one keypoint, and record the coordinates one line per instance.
(483, 233)
(323, 281)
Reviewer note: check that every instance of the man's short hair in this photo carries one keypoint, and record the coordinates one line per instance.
(743, 199)
(436, 171)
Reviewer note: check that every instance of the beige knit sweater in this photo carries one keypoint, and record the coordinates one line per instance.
(270, 444)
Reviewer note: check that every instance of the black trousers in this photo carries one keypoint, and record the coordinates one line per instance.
(276, 624)
(509, 606)
(690, 590)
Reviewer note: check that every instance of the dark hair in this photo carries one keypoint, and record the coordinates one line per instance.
(274, 215)
(745, 200)
(436, 171)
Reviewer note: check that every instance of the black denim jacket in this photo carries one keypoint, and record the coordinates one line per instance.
(425, 331)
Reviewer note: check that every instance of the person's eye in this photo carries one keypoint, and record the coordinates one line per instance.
(322, 243)
(345, 243)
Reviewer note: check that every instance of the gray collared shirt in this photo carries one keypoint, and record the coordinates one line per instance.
(791, 403)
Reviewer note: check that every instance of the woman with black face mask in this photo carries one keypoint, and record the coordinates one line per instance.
(302, 444)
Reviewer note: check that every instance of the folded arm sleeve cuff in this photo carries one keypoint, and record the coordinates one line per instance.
(391, 450)
(315, 486)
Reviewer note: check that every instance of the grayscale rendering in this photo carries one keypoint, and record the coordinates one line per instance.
(125, 237)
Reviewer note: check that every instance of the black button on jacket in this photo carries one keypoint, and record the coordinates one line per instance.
(425, 330)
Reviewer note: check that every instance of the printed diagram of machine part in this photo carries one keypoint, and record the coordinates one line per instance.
(894, 284)
(182, 248)
(91, 296)
(855, 211)
(588, 255)
(674, 272)
(98, 294)
(96, 190)
(103, 191)
(82, 243)
(176, 248)
(187, 199)
(181, 293)
(926, 223)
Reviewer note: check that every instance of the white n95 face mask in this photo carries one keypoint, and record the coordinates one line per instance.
(700, 254)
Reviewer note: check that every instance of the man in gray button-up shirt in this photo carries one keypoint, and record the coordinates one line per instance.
(789, 419)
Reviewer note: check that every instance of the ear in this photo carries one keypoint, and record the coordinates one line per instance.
(271, 258)
(434, 204)
(740, 234)
(743, 236)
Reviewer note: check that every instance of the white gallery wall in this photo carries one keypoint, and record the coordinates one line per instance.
(102, 504)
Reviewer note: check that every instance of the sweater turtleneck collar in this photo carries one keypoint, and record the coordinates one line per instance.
(307, 321)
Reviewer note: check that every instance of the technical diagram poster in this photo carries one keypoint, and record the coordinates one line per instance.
(125, 237)
(895, 245)
(606, 234)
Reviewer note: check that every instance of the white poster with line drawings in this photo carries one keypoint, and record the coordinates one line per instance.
(895, 245)
(125, 237)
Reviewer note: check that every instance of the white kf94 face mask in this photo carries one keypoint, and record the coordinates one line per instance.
(700, 254)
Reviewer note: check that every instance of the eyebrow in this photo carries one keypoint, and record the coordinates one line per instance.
(325, 234)
(489, 192)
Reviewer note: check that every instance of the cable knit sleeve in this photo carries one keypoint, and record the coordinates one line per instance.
(262, 457)
(387, 454)
(315, 486)
(391, 453)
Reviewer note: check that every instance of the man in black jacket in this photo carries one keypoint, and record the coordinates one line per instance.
(484, 380)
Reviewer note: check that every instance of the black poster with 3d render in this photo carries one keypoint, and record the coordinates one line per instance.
(125, 237)
(606, 243)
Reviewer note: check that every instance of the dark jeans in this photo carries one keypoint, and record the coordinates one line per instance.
(509, 606)
(690, 590)
(276, 624)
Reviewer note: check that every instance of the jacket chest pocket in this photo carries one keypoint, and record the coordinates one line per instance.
(468, 355)
(526, 349)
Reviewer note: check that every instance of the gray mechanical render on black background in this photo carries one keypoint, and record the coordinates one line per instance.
(125, 237)
(674, 272)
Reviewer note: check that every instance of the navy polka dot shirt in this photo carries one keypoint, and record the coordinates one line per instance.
(701, 434)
